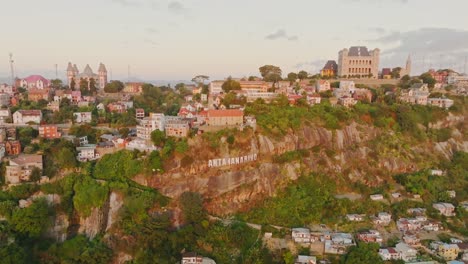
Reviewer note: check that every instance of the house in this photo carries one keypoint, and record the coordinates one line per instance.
(386, 73)
(437, 172)
(330, 69)
(322, 86)
(149, 124)
(448, 251)
(133, 87)
(418, 93)
(87, 152)
(82, 117)
(27, 116)
(416, 211)
(36, 95)
(141, 145)
(452, 193)
(301, 235)
(177, 128)
(411, 239)
(117, 107)
(20, 168)
(446, 209)
(53, 106)
(362, 95)
(338, 243)
(371, 236)
(191, 258)
(34, 82)
(49, 131)
(407, 253)
(13, 147)
(314, 99)
(355, 217)
(396, 195)
(305, 260)
(140, 113)
(225, 117)
(389, 254)
(349, 86)
(409, 224)
(346, 101)
(383, 218)
(8, 89)
(440, 102)
(5, 115)
(376, 197)
(5, 100)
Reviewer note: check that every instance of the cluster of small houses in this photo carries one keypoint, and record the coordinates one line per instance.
(406, 250)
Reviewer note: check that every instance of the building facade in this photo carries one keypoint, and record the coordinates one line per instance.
(26, 116)
(20, 168)
(73, 74)
(225, 117)
(49, 131)
(359, 62)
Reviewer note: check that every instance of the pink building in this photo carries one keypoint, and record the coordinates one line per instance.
(34, 82)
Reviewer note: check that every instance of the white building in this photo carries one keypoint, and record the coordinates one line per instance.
(35, 82)
(5, 114)
(446, 209)
(82, 117)
(440, 102)
(322, 86)
(359, 61)
(407, 253)
(305, 260)
(27, 116)
(147, 125)
(301, 235)
(4, 99)
(87, 152)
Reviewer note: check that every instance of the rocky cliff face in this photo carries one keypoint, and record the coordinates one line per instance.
(354, 153)
(101, 219)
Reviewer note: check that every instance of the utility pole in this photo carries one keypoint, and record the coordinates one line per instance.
(56, 71)
(12, 70)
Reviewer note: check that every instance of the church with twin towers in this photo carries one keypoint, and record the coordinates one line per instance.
(75, 77)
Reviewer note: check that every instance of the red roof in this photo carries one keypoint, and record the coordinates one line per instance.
(225, 113)
(35, 78)
(30, 112)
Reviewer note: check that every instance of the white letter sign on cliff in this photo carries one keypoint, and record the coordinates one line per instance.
(231, 161)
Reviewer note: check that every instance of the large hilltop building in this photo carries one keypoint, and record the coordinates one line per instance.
(73, 74)
(358, 62)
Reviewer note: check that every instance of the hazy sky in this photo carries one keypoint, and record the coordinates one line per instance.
(168, 40)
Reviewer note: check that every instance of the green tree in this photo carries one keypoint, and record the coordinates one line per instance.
(364, 253)
(158, 138)
(192, 207)
(12, 254)
(271, 73)
(428, 79)
(200, 79)
(396, 73)
(66, 158)
(32, 220)
(36, 174)
(302, 75)
(56, 83)
(84, 86)
(292, 77)
(230, 85)
(72, 83)
(92, 86)
(114, 87)
(80, 250)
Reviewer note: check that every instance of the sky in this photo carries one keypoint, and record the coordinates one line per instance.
(178, 39)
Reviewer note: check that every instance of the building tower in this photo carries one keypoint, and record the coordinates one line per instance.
(102, 72)
(71, 74)
(408, 66)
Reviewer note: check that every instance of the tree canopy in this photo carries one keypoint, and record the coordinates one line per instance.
(270, 73)
(230, 85)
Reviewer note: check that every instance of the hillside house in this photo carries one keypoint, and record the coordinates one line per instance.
(27, 116)
(20, 168)
(301, 235)
(446, 209)
(82, 117)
